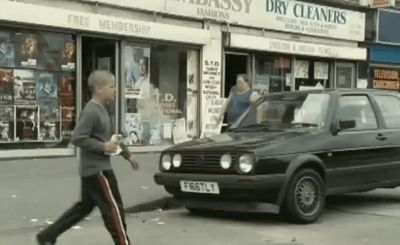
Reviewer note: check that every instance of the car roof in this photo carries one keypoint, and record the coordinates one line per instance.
(337, 92)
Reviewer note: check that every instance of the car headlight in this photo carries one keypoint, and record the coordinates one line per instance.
(246, 163)
(177, 160)
(166, 162)
(226, 161)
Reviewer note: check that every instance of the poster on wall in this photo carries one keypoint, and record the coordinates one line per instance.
(212, 126)
(6, 87)
(134, 129)
(136, 61)
(321, 70)
(179, 132)
(301, 68)
(27, 123)
(155, 137)
(46, 86)
(167, 130)
(66, 88)
(7, 120)
(192, 93)
(24, 87)
(50, 118)
(362, 83)
(68, 55)
(68, 121)
(28, 50)
(7, 50)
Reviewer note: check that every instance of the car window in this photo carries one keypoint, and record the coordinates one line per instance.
(390, 108)
(287, 111)
(359, 109)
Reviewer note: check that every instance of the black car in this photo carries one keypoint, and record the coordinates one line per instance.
(288, 152)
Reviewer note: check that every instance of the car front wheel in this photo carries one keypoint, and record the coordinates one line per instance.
(305, 198)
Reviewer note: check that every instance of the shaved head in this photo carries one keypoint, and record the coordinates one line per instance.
(98, 79)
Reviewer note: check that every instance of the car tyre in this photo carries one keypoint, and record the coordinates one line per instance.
(305, 197)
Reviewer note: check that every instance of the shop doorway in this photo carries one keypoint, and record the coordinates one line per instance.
(345, 75)
(97, 54)
(234, 64)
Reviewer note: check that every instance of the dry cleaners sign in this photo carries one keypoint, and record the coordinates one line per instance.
(313, 19)
(282, 15)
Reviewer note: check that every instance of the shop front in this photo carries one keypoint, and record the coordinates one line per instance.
(301, 46)
(277, 65)
(45, 63)
(384, 53)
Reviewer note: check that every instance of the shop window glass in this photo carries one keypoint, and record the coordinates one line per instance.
(37, 89)
(311, 74)
(273, 73)
(159, 93)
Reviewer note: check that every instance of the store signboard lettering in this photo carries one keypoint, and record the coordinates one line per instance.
(283, 15)
(386, 79)
(313, 19)
(300, 48)
(306, 11)
(77, 20)
(212, 125)
(108, 25)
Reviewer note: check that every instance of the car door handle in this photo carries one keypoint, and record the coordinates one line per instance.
(382, 136)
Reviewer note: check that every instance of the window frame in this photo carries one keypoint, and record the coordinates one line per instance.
(373, 107)
(383, 118)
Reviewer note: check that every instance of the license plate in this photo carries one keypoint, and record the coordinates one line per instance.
(200, 187)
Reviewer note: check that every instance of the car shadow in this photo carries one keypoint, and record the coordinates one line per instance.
(245, 217)
(371, 199)
(351, 203)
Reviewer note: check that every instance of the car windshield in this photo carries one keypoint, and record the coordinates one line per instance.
(285, 111)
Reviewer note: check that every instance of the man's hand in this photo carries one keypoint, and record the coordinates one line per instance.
(110, 147)
(134, 163)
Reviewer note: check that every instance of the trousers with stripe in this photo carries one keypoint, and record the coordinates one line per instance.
(96, 191)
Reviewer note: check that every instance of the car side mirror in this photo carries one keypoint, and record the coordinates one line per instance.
(347, 124)
(335, 128)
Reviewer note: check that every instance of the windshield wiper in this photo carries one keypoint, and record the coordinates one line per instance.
(253, 127)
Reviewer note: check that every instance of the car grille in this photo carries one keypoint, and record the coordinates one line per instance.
(204, 163)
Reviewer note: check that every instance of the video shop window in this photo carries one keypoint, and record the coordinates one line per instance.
(273, 73)
(37, 89)
(160, 90)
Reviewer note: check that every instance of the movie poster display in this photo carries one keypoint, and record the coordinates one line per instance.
(27, 123)
(6, 87)
(24, 87)
(136, 62)
(27, 50)
(68, 55)
(134, 129)
(37, 87)
(7, 123)
(50, 119)
(46, 86)
(66, 88)
(68, 121)
(7, 49)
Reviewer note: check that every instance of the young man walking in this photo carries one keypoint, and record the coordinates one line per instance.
(99, 186)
